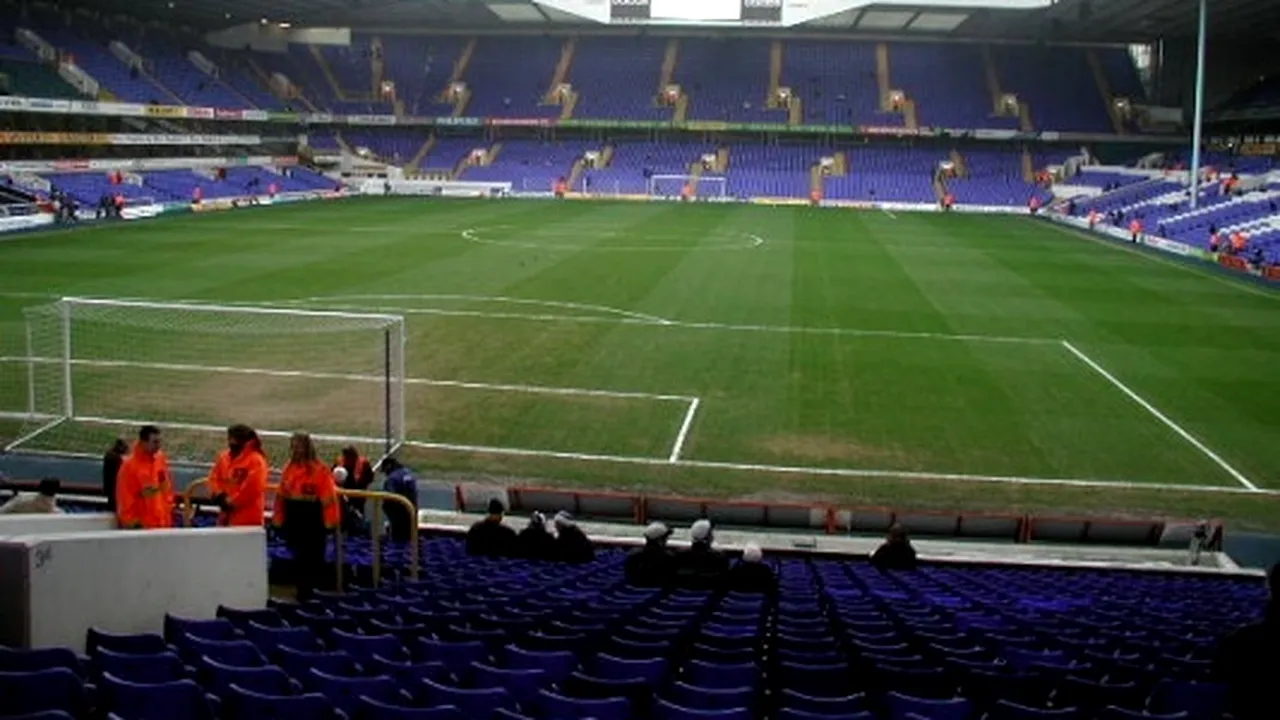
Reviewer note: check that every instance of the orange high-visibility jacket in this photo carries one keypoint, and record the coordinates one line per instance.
(313, 481)
(243, 479)
(354, 474)
(144, 490)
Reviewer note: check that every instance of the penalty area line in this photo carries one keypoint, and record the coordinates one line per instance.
(683, 434)
(1175, 427)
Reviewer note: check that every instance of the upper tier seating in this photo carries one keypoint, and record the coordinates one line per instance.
(512, 638)
(617, 77)
(947, 83)
(726, 79)
(1058, 85)
(421, 68)
(837, 82)
(509, 76)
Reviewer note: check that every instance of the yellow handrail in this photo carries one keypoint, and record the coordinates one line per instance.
(375, 530)
(189, 513)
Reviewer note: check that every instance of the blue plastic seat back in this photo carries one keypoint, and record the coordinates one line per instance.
(51, 689)
(1112, 712)
(705, 698)
(217, 629)
(900, 706)
(552, 705)
(835, 705)
(1200, 701)
(371, 709)
(522, 684)
(49, 715)
(663, 710)
(217, 679)
(133, 644)
(609, 667)
(266, 617)
(457, 656)
(298, 663)
(407, 674)
(158, 668)
(363, 647)
(345, 692)
(1005, 710)
(793, 714)
(715, 675)
(473, 703)
(269, 639)
(241, 704)
(177, 700)
(16, 660)
(241, 653)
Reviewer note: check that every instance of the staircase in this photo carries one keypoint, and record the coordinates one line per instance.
(492, 155)
(841, 167)
(939, 189)
(463, 62)
(695, 174)
(682, 108)
(668, 70)
(882, 75)
(327, 72)
(909, 116)
(722, 160)
(418, 157)
(962, 165)
(266, 80)
(795, 111)
(817, 180)
(570, 102)
(1028, 167)
(1104, 89)
(993, 81)
(1024, 117)
(606, 157)
(460, 102)
(575, 173)
(342, 143)
(551, 97)
(775, 73)
(377, 69)
(467, 161)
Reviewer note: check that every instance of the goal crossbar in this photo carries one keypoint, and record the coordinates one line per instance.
(248, 309)
(718, 181)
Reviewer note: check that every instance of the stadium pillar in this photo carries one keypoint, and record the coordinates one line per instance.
(1197, 120)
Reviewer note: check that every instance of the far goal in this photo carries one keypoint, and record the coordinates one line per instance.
(705, 186)
(97, 369)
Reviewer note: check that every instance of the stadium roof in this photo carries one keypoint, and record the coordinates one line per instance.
(1064, 20)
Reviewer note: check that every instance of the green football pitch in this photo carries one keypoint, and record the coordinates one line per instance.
(923, 361)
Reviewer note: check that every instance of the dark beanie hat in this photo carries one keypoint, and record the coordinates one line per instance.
(496, 507)
(50, 486)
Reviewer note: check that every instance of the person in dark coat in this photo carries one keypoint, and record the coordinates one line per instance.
(896, 553)
(572, 545)
(751, 575)
(1247, 659)
(701, 567)
(652, 565)
(111, 468)
(400, 481)
(490, 537)
(535, 542)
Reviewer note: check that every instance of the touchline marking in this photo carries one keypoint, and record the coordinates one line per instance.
(888, 212)
(473, 235)
(684, 430)
(498, 387)
(563, 304)
(1240, 478)
(835, 472)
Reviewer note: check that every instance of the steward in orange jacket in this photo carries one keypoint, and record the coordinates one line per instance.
(238, 481)
(144, 485)
(306, 510)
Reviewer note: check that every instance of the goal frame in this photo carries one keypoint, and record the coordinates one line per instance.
(721, 181)
(393, 356)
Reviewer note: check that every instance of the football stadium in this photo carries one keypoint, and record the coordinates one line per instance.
(569, 359)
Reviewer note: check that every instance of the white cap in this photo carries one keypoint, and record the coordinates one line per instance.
(700, 531)
(656, 531)
(339, 474)
(563, 519)
(751, 553)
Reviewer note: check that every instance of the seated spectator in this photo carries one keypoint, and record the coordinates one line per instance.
(42, 502)
(535, 542)
(490, 537)
(572, 545)
(751, 575)
(652, 565)
(896, 553)
(701, 567)
(400, 481)
(1247, 659)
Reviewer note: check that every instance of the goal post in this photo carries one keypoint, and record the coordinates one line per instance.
(707, 186)
(97, 369)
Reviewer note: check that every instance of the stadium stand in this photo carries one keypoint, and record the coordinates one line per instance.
(515, 638)
(618, 78)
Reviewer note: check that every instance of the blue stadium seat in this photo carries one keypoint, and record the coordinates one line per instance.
(217, 679)
(713, 675)
(16, 660)
(477, 704)
(522, 684)
(268, 638)
(1201, 701)
(552, 705)
(1005, 710)
(815, 680)
(175, 628)
(157, 668)
(457, 656)
(1115, 713)
(241, 704)
(371, 709)
(139, 644)
(793, 714)
(228, 652)
(664, 710)
(556, 664)
(177, 700)
(299, 663)
(407, 674)
(266, 617)
(652, 671)
(704, 698)
(345, 692)
(846, 705)
(364, 647)
(43, 690)
(900, 706)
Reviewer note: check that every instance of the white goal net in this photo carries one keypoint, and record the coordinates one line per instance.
(705, 186)
(97, 369)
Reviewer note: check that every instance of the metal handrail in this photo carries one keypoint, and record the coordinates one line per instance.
(376, 532)
(188, 512)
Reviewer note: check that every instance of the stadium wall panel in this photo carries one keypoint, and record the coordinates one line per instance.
(15, 525)
(57, 586)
